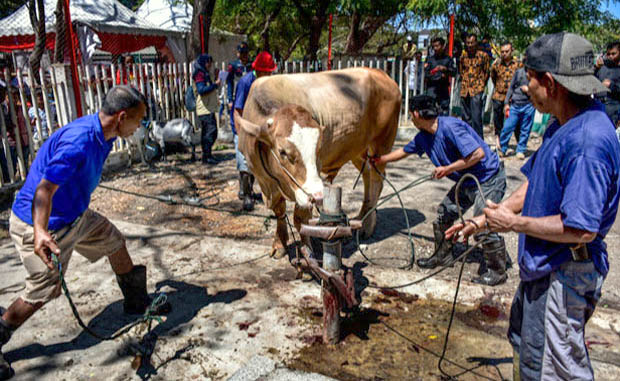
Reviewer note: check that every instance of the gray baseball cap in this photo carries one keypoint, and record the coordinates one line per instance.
(570, 60)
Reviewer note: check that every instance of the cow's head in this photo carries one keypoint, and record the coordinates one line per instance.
(293, 138)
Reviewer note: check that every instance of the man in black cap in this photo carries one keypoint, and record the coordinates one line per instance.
(608, 72)
(456, 149)
(567, 205)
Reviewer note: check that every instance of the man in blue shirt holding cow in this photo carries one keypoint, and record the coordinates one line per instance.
(456, 149)
(51, 214)
(263, 65)
(567, 205)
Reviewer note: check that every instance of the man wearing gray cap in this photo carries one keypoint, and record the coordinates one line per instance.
(567, 205)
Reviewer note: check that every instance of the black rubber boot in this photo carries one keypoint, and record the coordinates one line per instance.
(6, 331)
(495, 257)
(443, 250)
(133, 287)
(248, 201)
(258, 197)
(241, 193)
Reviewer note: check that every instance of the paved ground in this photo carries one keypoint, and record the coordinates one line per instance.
(232, 303)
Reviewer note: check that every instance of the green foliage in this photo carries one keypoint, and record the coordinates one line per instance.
(249, 17)
(520, 21)
(9, 6)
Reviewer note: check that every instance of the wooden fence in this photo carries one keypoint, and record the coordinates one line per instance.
(164, 86)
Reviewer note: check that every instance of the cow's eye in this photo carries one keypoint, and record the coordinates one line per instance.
(283, 153)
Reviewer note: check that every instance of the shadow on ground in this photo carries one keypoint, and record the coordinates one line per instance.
(186, 299)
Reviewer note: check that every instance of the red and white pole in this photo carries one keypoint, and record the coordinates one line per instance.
(451, 43)
(329, 46)
(202, 34)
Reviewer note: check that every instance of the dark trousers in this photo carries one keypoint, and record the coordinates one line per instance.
(4, 163)
(612, 107)
(548, 319)
(208, 133)
(498, 116)
(442, 97)
(472, 112)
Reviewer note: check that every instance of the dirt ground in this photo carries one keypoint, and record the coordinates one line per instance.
(232, 302)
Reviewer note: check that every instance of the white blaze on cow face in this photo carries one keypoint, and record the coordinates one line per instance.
(306, 140)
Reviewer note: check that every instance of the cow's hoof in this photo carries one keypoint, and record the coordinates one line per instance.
(368, 225)
(278, 252)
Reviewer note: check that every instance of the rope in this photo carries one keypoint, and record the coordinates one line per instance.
(396, 193)
(189, 202)
(443, 268)
(147, 317)
(458, 284)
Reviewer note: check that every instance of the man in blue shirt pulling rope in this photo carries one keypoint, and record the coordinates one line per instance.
(51, 215)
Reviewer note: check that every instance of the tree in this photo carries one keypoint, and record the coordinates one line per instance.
(314, 15)
(37, 19)
(517, 20)
(258, 19)
(9, 6)
(203, 8)
(366, 18)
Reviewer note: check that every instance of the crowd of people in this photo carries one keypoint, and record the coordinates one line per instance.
(512, 112)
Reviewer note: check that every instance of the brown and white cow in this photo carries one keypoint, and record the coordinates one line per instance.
(295, 127)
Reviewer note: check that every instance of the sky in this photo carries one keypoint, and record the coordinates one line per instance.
(614, 8)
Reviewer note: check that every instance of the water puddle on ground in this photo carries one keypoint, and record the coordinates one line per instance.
(400, 337)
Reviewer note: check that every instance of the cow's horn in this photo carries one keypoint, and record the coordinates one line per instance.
(247, 126)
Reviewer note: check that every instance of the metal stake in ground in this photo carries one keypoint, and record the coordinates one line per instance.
(332, 261)
(337, 283)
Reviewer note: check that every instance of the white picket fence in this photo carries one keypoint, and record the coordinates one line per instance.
(164, 86)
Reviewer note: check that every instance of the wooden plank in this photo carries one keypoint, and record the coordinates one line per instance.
(35, 105)
(18, 140)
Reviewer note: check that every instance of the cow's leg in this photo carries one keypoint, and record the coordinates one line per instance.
(280, 242)
(373, 185)
(302, 216)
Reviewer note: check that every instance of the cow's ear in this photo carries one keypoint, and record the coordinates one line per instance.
(259, 132)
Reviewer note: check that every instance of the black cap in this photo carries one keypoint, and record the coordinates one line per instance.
(243, 47)
(570, 60)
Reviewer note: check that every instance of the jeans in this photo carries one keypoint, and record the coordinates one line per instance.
(472, 112)
(242, 166)
(208, 133)
(522, 116)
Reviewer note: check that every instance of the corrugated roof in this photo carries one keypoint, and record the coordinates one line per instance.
(172, 15)
(101, 15)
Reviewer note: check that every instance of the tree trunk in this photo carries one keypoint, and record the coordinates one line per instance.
(265, 32)
(37, 19)
(361, 31)
(316, 17)
(61, 32)
(316, 28)
(291, 48)
(204, 8)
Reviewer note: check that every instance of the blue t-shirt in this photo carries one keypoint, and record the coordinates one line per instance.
(73, 159)
(574, 173)
(241, 94)
(454, 140)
